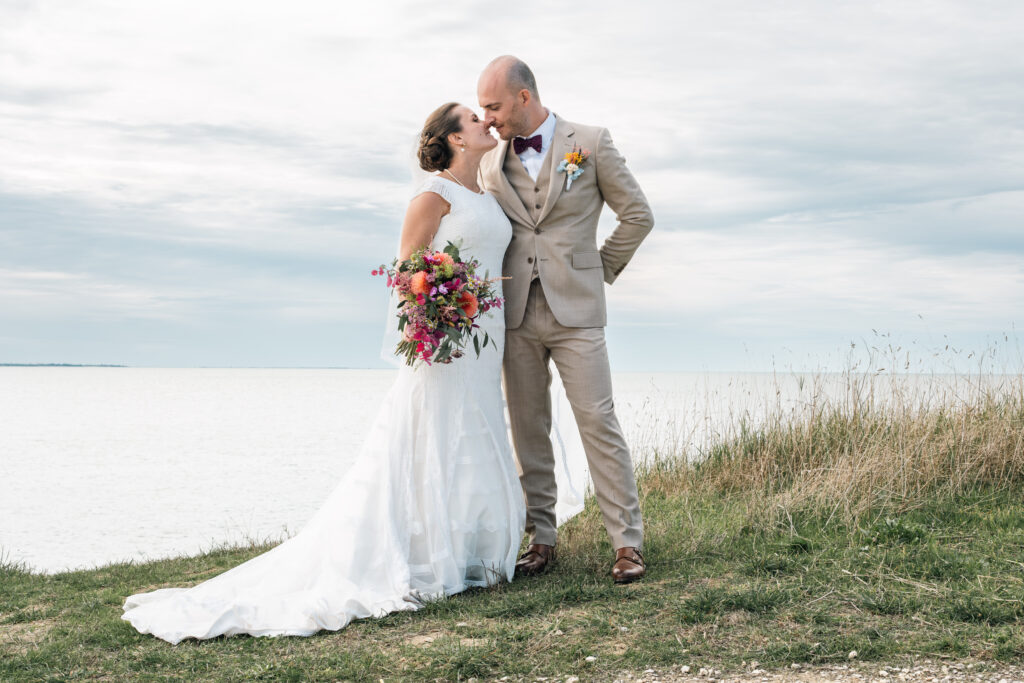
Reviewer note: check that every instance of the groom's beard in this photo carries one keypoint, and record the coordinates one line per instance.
(513, 126)
(503, 132)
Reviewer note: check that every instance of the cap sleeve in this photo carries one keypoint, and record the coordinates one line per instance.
(437, 186)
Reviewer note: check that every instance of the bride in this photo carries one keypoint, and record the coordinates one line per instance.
(433, 504)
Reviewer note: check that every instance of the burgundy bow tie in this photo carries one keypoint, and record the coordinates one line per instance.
(520, 145)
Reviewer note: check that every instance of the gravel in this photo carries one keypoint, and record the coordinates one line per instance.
(862, 672)
(927, 670)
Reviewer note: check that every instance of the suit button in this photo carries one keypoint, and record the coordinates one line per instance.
(536, 206)
(536, 189)
(529, 259)
(537, 230)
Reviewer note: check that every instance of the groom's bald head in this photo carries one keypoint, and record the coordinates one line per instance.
(514, 72)
(508, 94)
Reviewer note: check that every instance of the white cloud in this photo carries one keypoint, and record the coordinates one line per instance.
(803, 281)
(189, 298)
(820, 165)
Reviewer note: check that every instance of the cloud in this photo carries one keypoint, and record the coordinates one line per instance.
(814, 281)
(817, 168)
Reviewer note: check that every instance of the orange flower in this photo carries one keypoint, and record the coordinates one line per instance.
(445, 259)
(577, 156)
(418, 283)
(469, 304)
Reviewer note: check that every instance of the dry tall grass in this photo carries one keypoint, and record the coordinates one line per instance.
(875, 442)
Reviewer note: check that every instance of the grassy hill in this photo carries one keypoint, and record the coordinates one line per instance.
(863, 525)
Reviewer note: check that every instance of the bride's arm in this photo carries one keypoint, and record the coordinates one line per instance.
(422, 219)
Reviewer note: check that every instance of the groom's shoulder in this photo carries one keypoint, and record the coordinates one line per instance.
(490, 156)
(588, 136)
(583, 130)
(492, 161)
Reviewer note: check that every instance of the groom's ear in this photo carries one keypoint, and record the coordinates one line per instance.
(524, 96)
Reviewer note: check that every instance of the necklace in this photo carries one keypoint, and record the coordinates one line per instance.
(460, 182)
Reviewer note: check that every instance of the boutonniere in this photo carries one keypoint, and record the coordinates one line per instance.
(572, 164)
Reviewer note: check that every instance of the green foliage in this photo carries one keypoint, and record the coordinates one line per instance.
(889, 600)
(452, 250)
(982, 607)
(890, 531)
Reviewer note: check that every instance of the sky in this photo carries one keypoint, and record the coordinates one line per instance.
(209, 184)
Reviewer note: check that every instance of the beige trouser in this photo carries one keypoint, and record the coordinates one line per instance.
(581, 357)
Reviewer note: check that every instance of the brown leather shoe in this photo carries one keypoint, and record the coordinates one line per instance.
(536, 560)
(629, 565)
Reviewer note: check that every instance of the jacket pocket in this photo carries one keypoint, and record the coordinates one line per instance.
(587, 259)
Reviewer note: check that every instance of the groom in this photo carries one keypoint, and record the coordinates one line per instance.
(554, 302)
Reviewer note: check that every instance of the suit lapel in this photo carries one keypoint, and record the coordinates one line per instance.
(506, 195)
(561, 143)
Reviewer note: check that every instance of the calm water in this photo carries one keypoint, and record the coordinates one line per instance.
(105, 464)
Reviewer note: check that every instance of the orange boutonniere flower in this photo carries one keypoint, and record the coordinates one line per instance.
(572, 164)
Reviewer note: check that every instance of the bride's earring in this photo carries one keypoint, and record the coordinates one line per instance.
(463, 146)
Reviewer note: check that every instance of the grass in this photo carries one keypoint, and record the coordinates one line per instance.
(891, 528)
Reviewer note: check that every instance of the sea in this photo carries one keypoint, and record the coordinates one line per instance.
(100, 465)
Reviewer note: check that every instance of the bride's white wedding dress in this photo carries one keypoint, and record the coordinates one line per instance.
(432, 506)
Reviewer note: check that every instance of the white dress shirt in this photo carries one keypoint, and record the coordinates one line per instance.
(531, 158)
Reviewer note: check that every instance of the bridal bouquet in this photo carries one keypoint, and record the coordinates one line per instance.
(439, 298)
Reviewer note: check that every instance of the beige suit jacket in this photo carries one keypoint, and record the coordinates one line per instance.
(562, 240)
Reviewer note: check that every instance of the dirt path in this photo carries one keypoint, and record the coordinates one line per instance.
(924, 670)
(927, 670)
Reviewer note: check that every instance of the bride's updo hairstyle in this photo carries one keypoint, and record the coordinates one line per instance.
(435, 154)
